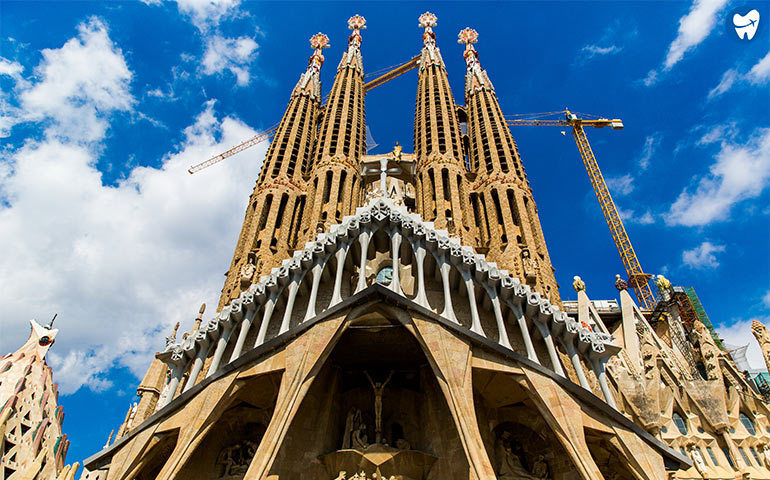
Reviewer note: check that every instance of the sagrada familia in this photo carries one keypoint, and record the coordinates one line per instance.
(396, 316)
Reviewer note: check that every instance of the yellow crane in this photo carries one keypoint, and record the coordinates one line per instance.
(390, 74)
(637, 279)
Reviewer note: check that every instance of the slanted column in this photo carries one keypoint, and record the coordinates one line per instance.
(316, 271)
(576, 363)
(243, 333)
(502, 332)
(475, 321)
(293, 287)
(197, 363)
(444, 268)
(395, 242)
(177, 370)
(224, 320)
(549, 345)
(522, 321)
(363, 241)
(599, 366)
(342, 251)
(419, 256)
(269, 306)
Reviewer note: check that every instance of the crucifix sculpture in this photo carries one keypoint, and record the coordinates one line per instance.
(379, 388)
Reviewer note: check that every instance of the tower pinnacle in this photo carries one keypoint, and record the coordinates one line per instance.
(355, 23)
(475, 77)
(430, 52)
(319, 41)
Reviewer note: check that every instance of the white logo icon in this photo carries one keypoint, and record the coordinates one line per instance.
(746, 25)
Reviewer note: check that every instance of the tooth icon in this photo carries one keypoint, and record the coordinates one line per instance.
(746, 25)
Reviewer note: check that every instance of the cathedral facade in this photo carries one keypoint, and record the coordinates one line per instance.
(397, 316)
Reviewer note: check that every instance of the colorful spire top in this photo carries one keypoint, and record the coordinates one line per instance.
(468, 36)
(427, 21)
(319, 41)
(356, 22)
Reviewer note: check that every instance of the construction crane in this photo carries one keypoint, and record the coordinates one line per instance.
(637, 279)
(390, 74)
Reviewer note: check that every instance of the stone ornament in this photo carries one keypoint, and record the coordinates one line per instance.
(256, 305)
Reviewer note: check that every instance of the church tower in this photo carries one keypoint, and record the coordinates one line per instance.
(381, 339)
(501, 197)
(335, 185)
(32, 444)
(276, 207)
(441, 185)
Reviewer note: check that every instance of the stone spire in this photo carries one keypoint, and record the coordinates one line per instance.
(276, 206)
(441, 186)
(335, 185)
(502, 201)
(33, 445)
(763, 337)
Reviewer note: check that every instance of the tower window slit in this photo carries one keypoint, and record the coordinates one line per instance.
(265, 212)
(327, 187)
(445, 183)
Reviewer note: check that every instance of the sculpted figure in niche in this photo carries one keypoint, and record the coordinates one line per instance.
(697, 460)
(247, 272)
(379, 388)
(353, 422)
(359, 437)
(508, 452)
(234, 460)
(529, 264)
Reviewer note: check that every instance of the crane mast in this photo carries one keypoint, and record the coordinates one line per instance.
(637, 279)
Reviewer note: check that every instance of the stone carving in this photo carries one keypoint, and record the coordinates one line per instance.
(697, 459)
(378, 388)
(766, 451)
(234, 460)
(171, 339)
(662, 283)
(247, 273)
(529, 264)
(362, 476)
(355, 430)
(579, 285)
(620, 284)
(509, 454)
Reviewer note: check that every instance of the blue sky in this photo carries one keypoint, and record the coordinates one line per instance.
(105, 105)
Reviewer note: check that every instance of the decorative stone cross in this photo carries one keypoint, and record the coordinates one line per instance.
(384, 171)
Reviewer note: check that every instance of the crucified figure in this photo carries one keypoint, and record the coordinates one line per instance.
(378, 388)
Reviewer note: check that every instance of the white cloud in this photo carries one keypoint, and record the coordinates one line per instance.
(766, 299)
(119, 264)
(693, 29)
(631, 216)
(738, 333)
(589, 52)
(206, 14)
(234, 54)
(620, 186)
(11, 69)
(79, 85)
(760, 73)
(726, 83)
(740, 172)
(651, 144)
(718, 133)
(703, 256)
